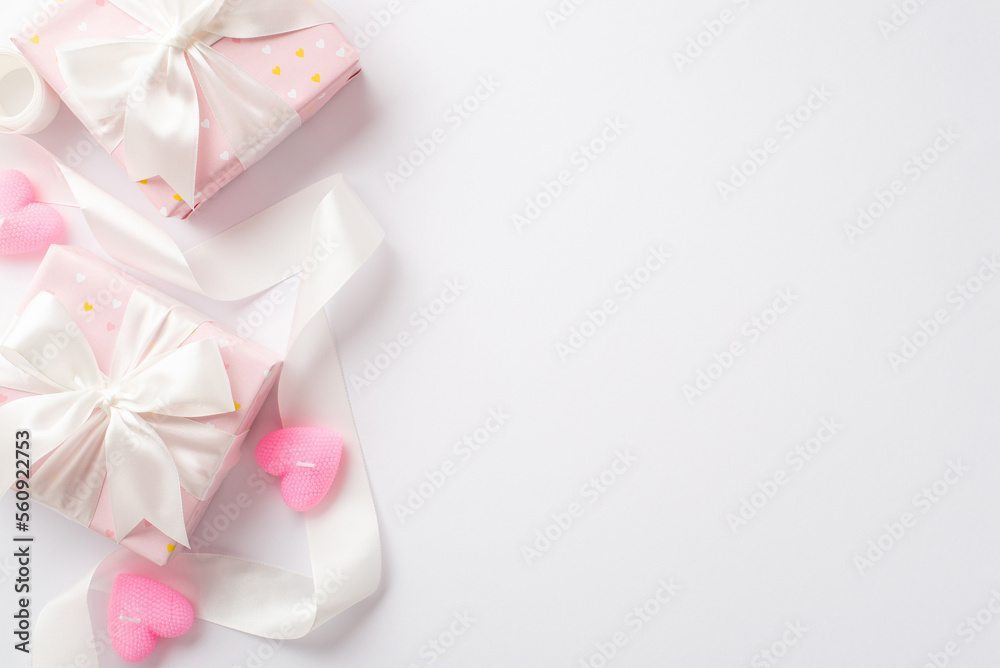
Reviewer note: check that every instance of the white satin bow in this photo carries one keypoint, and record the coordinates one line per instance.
(141, 89)
(132, 425)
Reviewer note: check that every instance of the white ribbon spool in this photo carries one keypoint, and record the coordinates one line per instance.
(27, 104)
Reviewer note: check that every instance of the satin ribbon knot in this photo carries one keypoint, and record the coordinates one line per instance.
(133, 425)
(109, 399)
(178, 38)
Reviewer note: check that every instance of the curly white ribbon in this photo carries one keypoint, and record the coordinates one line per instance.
(127, 425)
(141, 89)
(343, 537)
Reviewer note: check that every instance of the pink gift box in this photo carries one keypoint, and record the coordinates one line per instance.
(97, 295)
(306, 67)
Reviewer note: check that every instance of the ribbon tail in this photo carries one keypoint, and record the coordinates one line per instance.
(162, 126)
(197, 449)
(66, 624)
(67, 621)
(253, 118)
(143, 478)
(71, 479)
(124, 234)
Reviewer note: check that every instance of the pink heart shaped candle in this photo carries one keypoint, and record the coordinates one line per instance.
(26, 226)
(306, 459)
(140, 612)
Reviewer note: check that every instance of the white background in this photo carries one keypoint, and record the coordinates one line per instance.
(495, 347)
